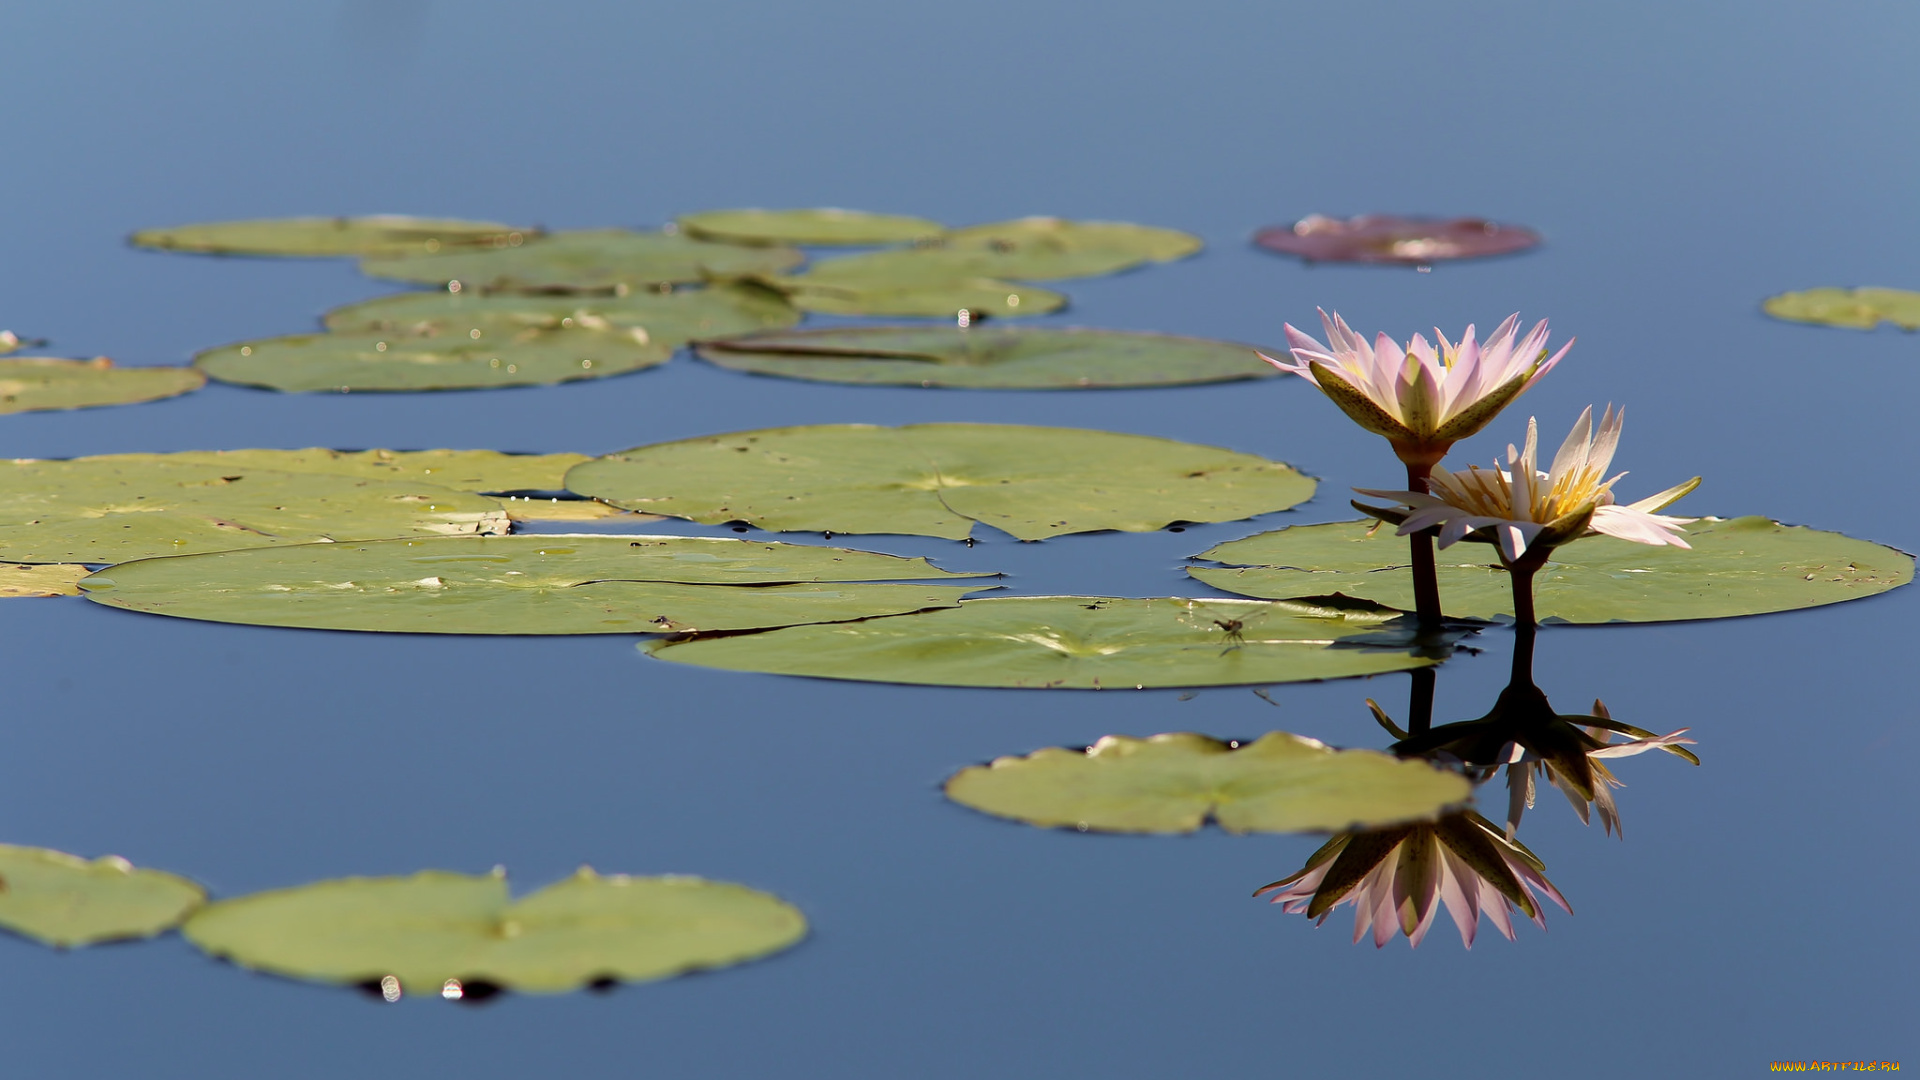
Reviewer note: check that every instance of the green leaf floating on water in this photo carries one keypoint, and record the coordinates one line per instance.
(823, 226)
(64, 900)
(1074, 643)
(500, 351)
(884, 295)
(988, 356)
(668, 318)
(435, 926)
(591, 260)
(1029, 249)
(34, 383)
(111, 509)
(1176, 783)
(939, 479)
(1858, 309)
(461, 470)
(381, 234)
(529, 585)
(41, 579)
(1738, 566)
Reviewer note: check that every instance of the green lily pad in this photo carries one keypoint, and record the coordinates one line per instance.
(461, 470)
(999, 357)
(63, 900)
(681, 315)
(380, 234)
(41, 579)
(495, 352)
(824, 226)
(1029, 249)
(434, 928)
(591, 260)
(1178, 782)
(34, 383)
(528, 585)
(1738, 566)
(940, 298)
(1858, 309)
(111, 509)
(1073, 643)
(939, 479)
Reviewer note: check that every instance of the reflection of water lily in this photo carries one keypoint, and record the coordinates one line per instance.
(1576, 770)
(1421, 398)
(1398, 879)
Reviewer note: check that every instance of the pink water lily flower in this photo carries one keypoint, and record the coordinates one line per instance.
(1422, 398)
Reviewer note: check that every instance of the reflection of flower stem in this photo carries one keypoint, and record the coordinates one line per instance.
(1420, 701)
(1426, 580)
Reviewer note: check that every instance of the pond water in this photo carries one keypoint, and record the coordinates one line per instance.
(1682, 164)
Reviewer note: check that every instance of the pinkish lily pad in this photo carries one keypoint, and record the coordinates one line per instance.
(1385, 238)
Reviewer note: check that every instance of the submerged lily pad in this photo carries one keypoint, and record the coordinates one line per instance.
(1074, 643)
(33, 383)
(1178, 782)
(111, 509)
(64, 900)
(1858, 309)
(41, 579)
(823, 226)
(1738, 566)
(591, 260)
(528, 585)
(681, 315)
(939, 298)
(939, 479)
(380, 234)
(435, 931)
(988, 357)
(495, 352)
(1386, 238)
(1029, 249)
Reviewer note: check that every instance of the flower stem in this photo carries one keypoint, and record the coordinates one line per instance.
(1426, 579)
(1524, 623)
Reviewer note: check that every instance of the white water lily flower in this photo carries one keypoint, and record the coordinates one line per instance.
(1520, 508)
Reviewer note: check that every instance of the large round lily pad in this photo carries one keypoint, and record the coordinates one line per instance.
(939, 479)
(64, 900)
(381, 234)
(111, 509)
(822, 226)
(1857, 309)
(681, 315)
(985, 356)
(33, 383)
(1178, 782)
(1074, 643)
(1387, 238)
(1738, 566)
(461, 470)
(591, 260)
(1029, 249)
(528, 585)
(434, 927)
(41, 579)
(883, 296)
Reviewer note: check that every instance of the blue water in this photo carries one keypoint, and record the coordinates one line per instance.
(1683, 162)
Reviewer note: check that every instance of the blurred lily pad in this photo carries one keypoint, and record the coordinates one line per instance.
(1386, 238)
(668, 318)
(32, 383)
(1029, 249)
(823, 226)
(1737, 566)
(528, 585)
(41, 579)
(436, 931)
(590, 260)
(111, 509)
(1178, 782)
(64, 900)
(461, 470)
(938, 298)
(939, 479)
(988, 357)
(380, 234)
(1074, 643)
(1858, 309)
(494, 352)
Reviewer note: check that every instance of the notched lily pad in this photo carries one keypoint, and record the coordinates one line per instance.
(33, 383)
(823, 226)
(590, 260)
(1738, 566)
(939, 298)
(1387, 238)
(1071, 642)
(988, 357)
(1176, 783)
(66, 901)
(435, 932)
(668, 318)
(1857, 309)
(547, 584)
(379, 234)
(939, 479)
(1028, 249)
(41, 579)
